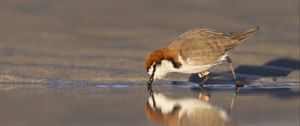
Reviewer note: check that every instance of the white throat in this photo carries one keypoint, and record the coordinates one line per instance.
(162, 69)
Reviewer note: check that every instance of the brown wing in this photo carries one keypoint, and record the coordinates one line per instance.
(203, 46)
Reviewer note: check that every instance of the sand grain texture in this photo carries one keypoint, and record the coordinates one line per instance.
(108, 40)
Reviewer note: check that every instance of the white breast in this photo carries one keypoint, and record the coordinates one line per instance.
(190, 67)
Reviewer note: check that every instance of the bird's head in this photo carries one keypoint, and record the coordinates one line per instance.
(162, 60)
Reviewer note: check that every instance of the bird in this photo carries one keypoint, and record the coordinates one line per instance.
(196, 51)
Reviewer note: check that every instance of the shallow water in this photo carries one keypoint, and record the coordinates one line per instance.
(123, 104)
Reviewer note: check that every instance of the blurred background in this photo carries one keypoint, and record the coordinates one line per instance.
(108, 40)
(81, 62)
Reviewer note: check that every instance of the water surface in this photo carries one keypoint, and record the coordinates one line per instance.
(124, 104)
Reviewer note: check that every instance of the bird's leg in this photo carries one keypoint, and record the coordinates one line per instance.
(237, 82)
(204, 75)
(204, 94)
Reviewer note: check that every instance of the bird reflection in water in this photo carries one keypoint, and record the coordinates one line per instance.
(187, 112)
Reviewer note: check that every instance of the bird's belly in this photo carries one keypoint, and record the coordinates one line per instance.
(186, 68)
(189, 66)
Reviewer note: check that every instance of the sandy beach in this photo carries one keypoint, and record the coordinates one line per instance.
(108, 40)
(58, 58)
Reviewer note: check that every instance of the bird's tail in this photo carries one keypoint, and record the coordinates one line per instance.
(243, 36)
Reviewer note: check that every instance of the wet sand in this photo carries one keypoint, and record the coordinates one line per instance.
(107, 41)
(82, 62)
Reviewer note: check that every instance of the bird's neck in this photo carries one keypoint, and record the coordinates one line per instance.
(170, 56)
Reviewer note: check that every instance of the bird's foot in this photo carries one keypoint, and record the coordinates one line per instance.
(201, 85)
(238, 84)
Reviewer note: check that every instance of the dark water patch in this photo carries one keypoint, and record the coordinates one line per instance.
(285, 63)
(281, 67)
(277, 67)
(162, 84)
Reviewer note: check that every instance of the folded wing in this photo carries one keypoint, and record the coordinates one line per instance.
(206, 46)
